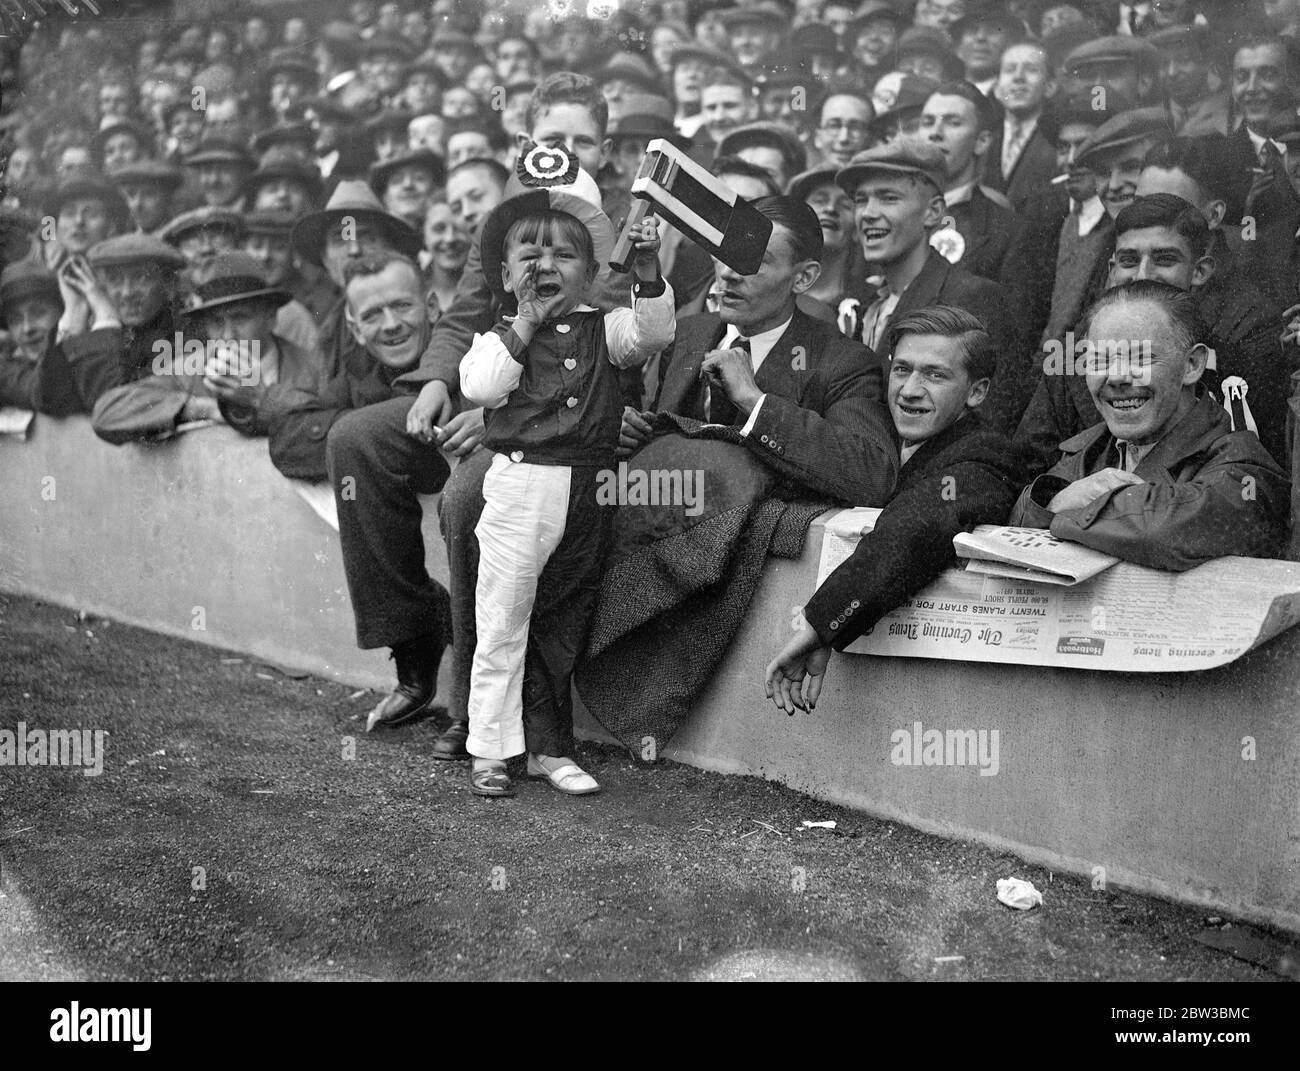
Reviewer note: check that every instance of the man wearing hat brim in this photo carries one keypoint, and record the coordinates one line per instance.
(872, 35)
(1115, 150)
(184, 126)
(754, 32)
(352, 225)
(843, 270)
(1119, 72)
(897, 191)
(222, 164)
(388, 131)
(267, 239)
(1187, 55)
(231, 364)
(148, 187)
(982, 35)
(121, 143)
(86, 209)
(383, 58)
(690, 65)
(407, 182)
(454, 52)
(926, 52)
(129, 285)
(284, 182)
(900, 98)
(290, 78)
(298, 138)
(34, 372)
(771, 146)
(200, 234)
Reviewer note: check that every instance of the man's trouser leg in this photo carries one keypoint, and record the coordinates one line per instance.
(459, 509)
(378, 471)
(557, 633)
(524, 512)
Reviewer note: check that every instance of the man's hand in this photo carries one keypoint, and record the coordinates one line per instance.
(731, 371)
(431, 407)
(1090, 488)
(462, 433)
(76, 309)
(794, 676)
(1291, 325)
(635, 432)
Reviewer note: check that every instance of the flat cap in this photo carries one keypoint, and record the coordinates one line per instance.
(218, 148)
(25, 279)
(383, 170)
(90, 186)
(134, 249)
(765, 11)
(147, 172)
(1124, 129)
(1115, 49)
(207, 216)
(269, 221)
(806, 182)
(384, 44)
(907, 156)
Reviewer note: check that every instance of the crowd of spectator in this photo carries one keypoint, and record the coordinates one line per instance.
(271, 218)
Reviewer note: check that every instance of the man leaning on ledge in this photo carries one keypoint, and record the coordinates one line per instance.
(1163, 481)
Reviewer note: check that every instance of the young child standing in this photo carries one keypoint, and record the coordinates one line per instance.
(548, 379)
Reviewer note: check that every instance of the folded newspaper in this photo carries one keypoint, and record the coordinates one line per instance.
(1028, 554)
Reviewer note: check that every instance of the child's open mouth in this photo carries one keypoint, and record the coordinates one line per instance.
(548, 290)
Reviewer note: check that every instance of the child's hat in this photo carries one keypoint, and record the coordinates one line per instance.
(544, 179)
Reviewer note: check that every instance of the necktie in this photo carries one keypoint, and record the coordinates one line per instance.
(718, 408)
(1011, 148)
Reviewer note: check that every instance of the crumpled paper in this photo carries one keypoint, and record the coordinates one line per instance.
(1018, 893)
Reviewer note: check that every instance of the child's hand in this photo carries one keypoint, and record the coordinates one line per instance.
(646, 247)
(532, 307)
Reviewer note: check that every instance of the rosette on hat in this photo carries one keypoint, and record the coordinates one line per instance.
(545, 178)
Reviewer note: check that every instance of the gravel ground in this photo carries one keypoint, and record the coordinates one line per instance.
(330, 854)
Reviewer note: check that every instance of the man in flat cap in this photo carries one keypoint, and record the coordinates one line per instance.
(754, 33)
(117, 304)
(295, 139)
(148, 187)
(200, 234)
(221, 165)
(267, 239)
(383, 57)
(983, 34)
(1112, 74)
(1188, 55)
(230, 366)
(407, 183)
(284, 182)
(87, 209)
(897, 192)
(1115, 150)
(291, 78)
(34, 373)
(690, 66)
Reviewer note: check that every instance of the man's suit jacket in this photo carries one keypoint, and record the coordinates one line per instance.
(1272, 259)
(822, 426)
(989, 231)
(911, 543)
(1192, 506)
(941, 283)
(1031, 174)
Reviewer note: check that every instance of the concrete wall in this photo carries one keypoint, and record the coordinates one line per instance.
(1140, 774)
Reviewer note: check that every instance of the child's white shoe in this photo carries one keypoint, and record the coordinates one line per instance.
(563, 774)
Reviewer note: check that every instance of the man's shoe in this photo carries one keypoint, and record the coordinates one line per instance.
(450, 745)
(563, 774)
(417, 678)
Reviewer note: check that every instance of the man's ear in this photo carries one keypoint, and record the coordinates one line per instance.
(1202, 271)
(934, 212)
(1216, 211)
(1049, 88)
(982, 140)
(806, 272)
(522, 142)
(979, 390)
(606, 147)
(1197, 357)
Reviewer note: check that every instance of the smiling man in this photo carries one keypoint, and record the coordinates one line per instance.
(943, 361)
(897, 193)
(1115, 150)
(1163, 480)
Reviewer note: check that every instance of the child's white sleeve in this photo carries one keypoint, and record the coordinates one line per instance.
(634, 335)
(492, 367)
